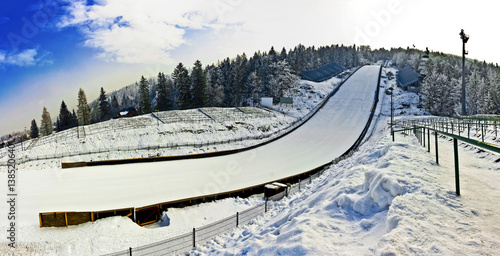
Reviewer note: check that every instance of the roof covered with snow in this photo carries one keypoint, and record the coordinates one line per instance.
(407, 76)
(323, 73)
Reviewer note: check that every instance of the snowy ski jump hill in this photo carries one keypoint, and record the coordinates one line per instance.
(326, 136)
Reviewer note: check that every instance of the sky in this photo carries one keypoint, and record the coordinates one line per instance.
(51, 48)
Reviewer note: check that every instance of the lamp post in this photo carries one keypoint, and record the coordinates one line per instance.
(464, 38)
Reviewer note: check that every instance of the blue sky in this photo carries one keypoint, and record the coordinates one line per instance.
(50, 48)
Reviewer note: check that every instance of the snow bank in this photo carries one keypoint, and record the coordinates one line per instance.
(376, 194)
(389, 198)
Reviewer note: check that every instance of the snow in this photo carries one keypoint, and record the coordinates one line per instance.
(389, 198)
(131, 137)
(142, 184)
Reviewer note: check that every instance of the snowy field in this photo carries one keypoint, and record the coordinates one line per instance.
(183, 132)
(389, 198)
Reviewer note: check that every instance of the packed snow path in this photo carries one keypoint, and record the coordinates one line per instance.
(330, 133)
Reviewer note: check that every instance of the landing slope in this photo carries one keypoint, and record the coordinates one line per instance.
(324, 137)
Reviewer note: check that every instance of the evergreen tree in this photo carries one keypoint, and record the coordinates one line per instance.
(104, 111)
(199, 83)
(84, 116)
(115, 107)
(74, 119)
(439, 94)
(272, 52)
(144, 103)
(164, 101)
(181, 82)
(58, 125)
(254, 87)
(215, 91)
(34, 133)
(64, 118)
(46, 124)
(283, 55)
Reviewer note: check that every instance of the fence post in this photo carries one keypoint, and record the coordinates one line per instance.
(237, 219)
(437, 151)
(482, 133)
(457, 178)
(299, 184)
(423, 129)
(265, 210)
(130, 251)
(194, 238)
(428, 140)
(468, 130)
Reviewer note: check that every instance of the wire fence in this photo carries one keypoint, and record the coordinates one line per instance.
(182, 244)
(220, 114)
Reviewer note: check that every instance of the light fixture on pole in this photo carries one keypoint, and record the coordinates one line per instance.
(464, 38)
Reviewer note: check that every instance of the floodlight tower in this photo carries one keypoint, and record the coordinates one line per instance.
(464, 38)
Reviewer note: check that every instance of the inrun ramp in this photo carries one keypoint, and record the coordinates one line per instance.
(326, 136)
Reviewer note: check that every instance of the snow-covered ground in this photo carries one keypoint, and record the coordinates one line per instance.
(130, 137)
(389, 198)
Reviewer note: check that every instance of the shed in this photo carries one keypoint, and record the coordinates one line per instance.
(409, 79)
(127, 112)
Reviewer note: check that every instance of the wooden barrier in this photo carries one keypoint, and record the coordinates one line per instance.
(65, 219)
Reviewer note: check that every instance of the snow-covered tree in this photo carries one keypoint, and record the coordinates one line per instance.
(215, 90)
(440, 94)
(281, 79)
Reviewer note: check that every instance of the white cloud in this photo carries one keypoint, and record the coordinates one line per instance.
(130, 31)
(23, 58)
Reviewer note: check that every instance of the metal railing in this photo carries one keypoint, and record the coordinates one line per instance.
(422, 129)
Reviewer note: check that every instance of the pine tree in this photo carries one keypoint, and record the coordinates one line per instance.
(34, 133)
(84, 117)
(64, 117)
(58, 125)
(181, 81)
(104, 111)
(74, 119)
(215, 91)
(115, 106)
(199, 83)
(144, 103)
(46, 124)
(254, 87)
(164, 101)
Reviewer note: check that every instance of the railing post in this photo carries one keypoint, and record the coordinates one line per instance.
(468, 130)
(482, 133)
(194, 238)
(437, 151)
(457, 178)
(423, 129)
(428, 140)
